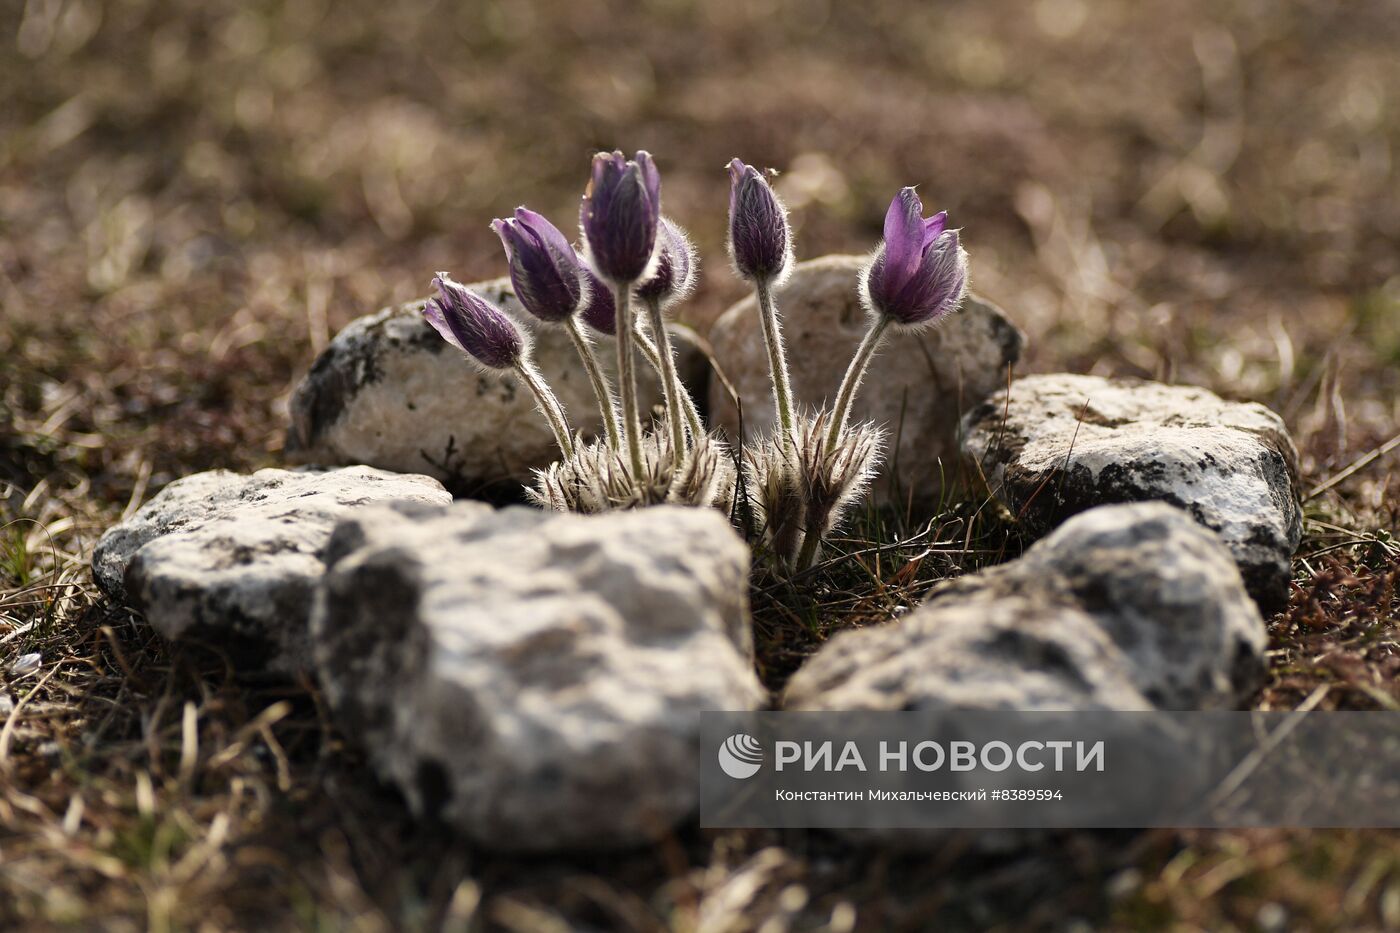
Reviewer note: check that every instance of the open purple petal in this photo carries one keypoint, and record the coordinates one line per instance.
(432, 312)
(506, 231)
(934, 226)
(932, 279)
(904, 234)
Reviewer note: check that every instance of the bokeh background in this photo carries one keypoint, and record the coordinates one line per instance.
(194, 197)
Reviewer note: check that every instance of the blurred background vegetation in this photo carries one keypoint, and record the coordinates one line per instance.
(194, 197)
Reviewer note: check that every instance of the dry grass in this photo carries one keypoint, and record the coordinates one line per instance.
(193, 198)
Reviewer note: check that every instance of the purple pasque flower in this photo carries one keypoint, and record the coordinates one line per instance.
(544, 269)
(619, 215)
(760, 240)
(474, 325)
(674, 274)
(599, 310)
(919, 274)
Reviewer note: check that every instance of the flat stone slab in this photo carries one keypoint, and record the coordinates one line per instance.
(918, 386)
(390, 392)
(534, 679)
(234, 559)
(1061, 444)
(1123, 607)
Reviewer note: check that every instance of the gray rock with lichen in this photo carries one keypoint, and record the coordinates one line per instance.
(918, 386)
(389, 392)
(1123, 607)
(233, 559)
(536, 680)
(1065, 443)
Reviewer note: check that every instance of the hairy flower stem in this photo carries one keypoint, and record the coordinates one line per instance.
(850, 383)
(548, 405)
(692, 414)
(670, 383)
(607, 405)
(627, 375)
(777, 359)
(811, 539)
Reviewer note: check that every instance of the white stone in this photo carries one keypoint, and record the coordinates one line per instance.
(1014, 654)
(233, 559)
(918, 386)
(1065, 443)
(536, 680)
(1123, 607)
(389, 392)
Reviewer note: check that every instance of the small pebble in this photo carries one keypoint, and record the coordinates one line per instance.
(1124, 884)
(1272, 917)
(26, 664)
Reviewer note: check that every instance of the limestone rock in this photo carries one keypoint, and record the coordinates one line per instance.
(918, 386)
(389, 392)
(1011, 655)
(536, 680)
(1066, 443)
(1123, 607)
(233, 559)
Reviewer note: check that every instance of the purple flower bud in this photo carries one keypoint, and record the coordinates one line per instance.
(474, 325)
(919, 274)
(619, 215)
(760, 240)
(599, 311)
(674, 275)
(543, 266)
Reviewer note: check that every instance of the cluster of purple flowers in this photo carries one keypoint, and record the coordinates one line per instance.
(632, 265)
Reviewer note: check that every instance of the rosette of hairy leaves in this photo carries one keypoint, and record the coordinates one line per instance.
(598, 479)
(835, 476)
(802, 491)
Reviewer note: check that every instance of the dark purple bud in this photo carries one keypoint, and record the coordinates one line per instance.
(544, 269)
(619, 215)
(474, 325)
(760, 240)
(674, 274)
(599, 311)
(919, 274)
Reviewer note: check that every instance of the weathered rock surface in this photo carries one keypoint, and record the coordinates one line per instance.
(918, 386)
(536, 680)
(234, 559)
(1010, 655)
(1123, 607)
(389, 392)
(1066, 443)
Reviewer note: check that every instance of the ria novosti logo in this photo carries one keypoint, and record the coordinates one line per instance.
(740, 756)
